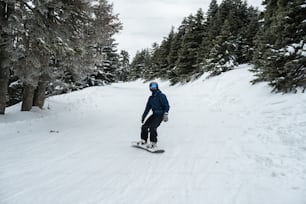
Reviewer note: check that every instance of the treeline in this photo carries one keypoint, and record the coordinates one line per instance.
(51, 47)
(54, 46)
(229, 34)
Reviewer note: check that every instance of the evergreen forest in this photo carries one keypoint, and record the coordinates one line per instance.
(50, 47)
(229, 34)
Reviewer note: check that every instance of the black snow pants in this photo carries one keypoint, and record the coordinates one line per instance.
(151, 126)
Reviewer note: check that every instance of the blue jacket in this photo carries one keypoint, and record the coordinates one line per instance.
(158, 103)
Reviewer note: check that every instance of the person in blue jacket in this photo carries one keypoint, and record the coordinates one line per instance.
(159, 105)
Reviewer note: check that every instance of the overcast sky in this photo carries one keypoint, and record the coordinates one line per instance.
(149, 21)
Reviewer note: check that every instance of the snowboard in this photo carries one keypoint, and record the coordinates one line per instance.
(144, 147)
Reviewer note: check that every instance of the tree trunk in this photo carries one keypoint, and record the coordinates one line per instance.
(4, 77)
(39, 95)
(28, 95)
(5, 10)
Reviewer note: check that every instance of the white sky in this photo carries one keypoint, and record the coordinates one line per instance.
(149, 21)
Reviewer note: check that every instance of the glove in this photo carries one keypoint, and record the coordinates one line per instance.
(165, 118)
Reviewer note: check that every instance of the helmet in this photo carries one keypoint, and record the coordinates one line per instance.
(153, 86)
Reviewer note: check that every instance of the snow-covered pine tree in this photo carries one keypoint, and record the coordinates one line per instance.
(212, 30)
(151, 65)
(188, 62)
(244, 26)
(108, 66)
(141, 65)
(281, 50)
(222, 56)
(160, 57)
(52, 38)
(51, 27)
(229, 45)
(175, 49)
(124, 65)
(248, 36)
(100, 48)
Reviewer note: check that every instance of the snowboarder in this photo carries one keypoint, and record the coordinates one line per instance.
(159, 105)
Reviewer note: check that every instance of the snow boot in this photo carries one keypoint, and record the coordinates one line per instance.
(142, 142)
(152, 145)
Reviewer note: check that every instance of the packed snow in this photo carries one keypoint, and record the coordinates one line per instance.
(226, 142)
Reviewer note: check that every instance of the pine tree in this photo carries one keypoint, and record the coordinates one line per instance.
(175, 49)
(140, 65)
(212, 30)
(189, 60)
(98, 34)
(248, 37)
(45, 31)
(223, 55)
(124, 65)
(57, 31)
(240, 19)
(280, 59)
(160, 57)
(108, 67)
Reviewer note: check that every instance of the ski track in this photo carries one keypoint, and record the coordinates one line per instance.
(222, 147)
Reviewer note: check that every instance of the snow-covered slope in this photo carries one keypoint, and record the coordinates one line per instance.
(226, 142)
